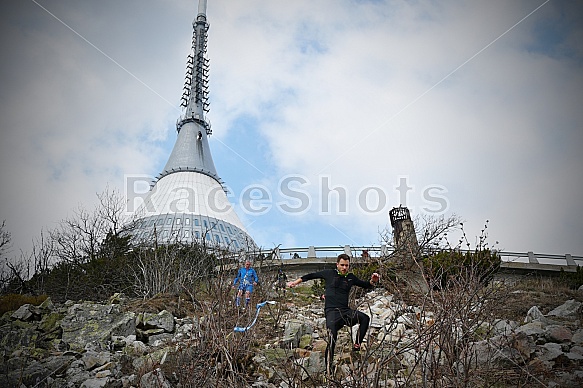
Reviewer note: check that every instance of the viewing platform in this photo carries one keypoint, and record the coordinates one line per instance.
(312, 258)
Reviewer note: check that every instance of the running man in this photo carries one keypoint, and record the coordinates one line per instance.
(247, 278)
(338, 314)
(280, 281)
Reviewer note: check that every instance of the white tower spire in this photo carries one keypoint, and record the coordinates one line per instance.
(188, 154)
(188, 202)
(195, 95)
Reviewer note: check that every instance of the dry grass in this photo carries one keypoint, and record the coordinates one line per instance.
(11, 302)
(545, 293)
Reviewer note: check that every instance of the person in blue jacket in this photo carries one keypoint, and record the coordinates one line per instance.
(339, 281)
(247, 278)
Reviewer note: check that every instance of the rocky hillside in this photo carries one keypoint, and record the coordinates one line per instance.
(124, 343)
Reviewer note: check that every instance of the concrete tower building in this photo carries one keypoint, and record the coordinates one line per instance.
(188, 201)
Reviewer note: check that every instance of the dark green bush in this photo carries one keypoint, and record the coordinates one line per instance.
(120, 267)
(445, 265)
(364, 272)
(573, 280)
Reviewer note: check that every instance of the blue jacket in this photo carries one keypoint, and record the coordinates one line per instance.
(246, 277)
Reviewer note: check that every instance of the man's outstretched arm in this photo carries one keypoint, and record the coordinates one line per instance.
(294, 283)
(310, 276)
(374, 279)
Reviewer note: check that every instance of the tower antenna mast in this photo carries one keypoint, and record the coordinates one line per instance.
(195, 95)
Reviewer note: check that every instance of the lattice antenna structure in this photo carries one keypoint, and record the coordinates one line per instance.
(195, 94)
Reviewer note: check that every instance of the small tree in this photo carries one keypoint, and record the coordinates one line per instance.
(83, 257)
(5, 239)
(13, 273)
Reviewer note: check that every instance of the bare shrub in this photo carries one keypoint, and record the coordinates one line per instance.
(215, 355)
(451, 340)
(171, 268)
(431, 233)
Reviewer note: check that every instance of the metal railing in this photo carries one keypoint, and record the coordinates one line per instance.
(524, 259)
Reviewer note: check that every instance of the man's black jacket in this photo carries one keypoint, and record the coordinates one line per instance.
(337, 287)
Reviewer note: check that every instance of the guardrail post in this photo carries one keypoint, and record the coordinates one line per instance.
(311, 251)
(531, 258)
(384, 250)
(570, 261)
(347, 250)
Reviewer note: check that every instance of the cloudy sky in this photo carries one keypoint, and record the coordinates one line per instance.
(453, 107)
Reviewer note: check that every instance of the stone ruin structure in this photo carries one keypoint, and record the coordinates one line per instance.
(406, 255)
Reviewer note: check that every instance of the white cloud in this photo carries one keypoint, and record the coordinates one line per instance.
(349, 89)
